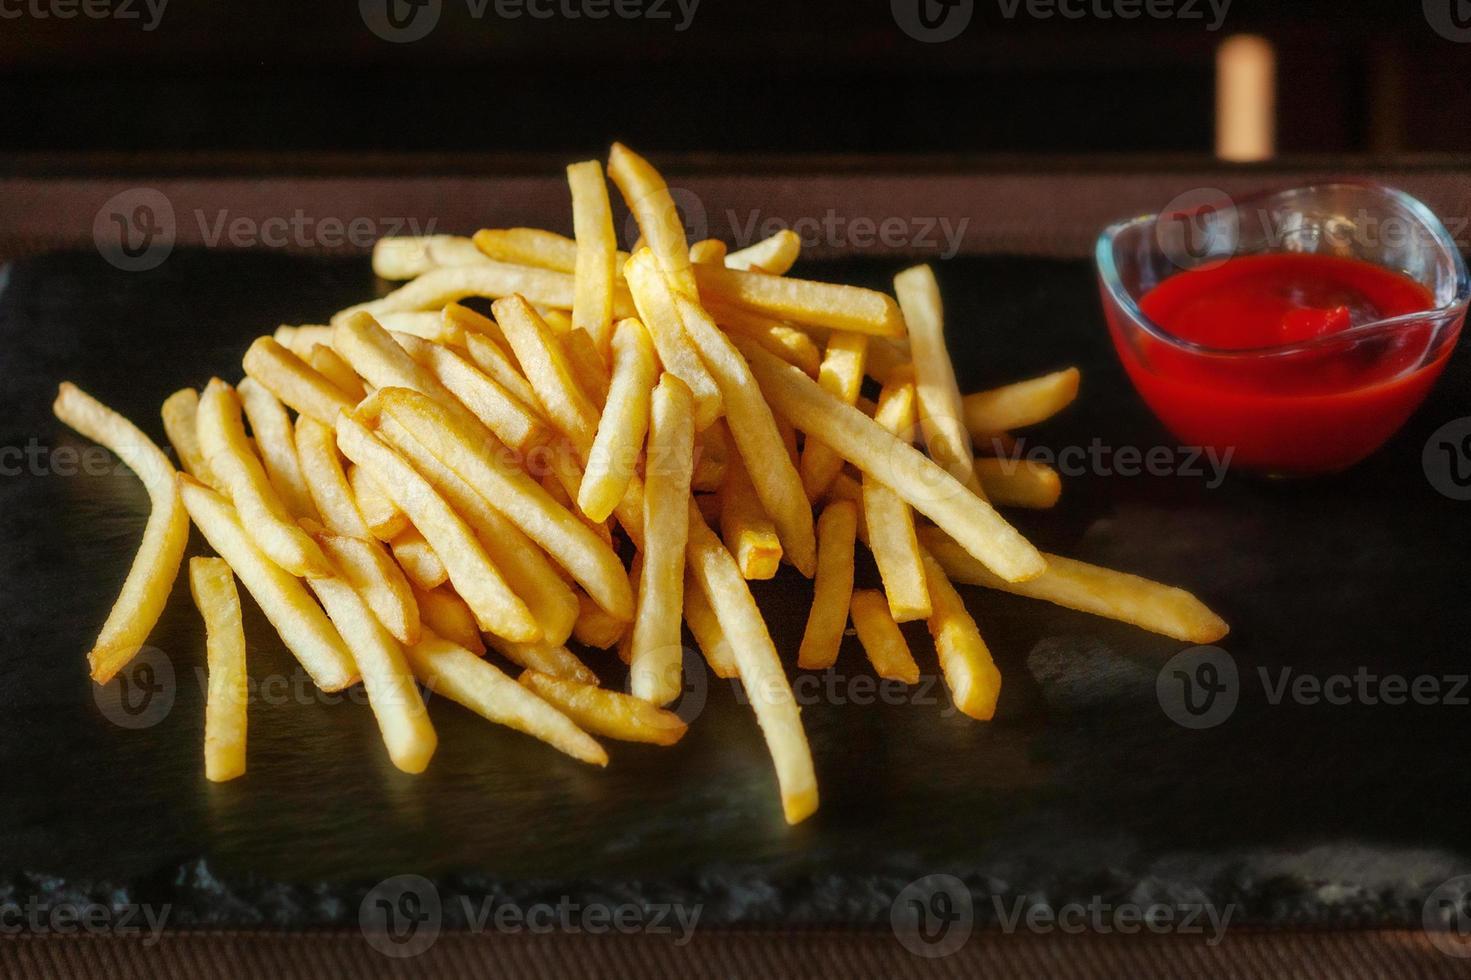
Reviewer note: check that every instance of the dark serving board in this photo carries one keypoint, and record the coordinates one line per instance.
(1081, 787)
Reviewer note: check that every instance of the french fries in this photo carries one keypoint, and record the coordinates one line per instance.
(418, 559)
(1019, 482)
(512, 421)
(706, 629)
(275, 440)
(365, 566)
(969, 671)
(444, 612)
(613, 459)
(1018, 405)
(447, 284)
(156, 565)
(747, 531)
(841, 373)
(837, 530)
(382, 516)
(410, 256)
(299, 385)
(655, 299)
(612, 714)
(532, 246)
(656, 657)
(596, 253)
(303, 627)
(331, 492)
(180, 412)
(775, 255)
(658, 219)
(880, 637)
(213, 586)
(890, 523)
(562, 399)
(822, 304)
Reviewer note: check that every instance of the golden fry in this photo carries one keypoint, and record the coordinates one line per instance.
(837, 530)
(1019, 482)
(822, 304)
(890, 522)
(969, 671)
(180, 411)
(213, 586)
(612, 714)
(444, 612)
(841, 374)
(295, 382)
(613, 459)
(326, 481)
(492, 279)
(365, 566)
(744, 526)
(1020, 404)
(775, 255)
(648, 197)
(417, 558)
(275, 440)
(596, 252)
(330, 365)
(706, 629)
(655, 298)
(881, 638)
(382, 516)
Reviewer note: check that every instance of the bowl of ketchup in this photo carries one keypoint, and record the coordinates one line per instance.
(1296, 330)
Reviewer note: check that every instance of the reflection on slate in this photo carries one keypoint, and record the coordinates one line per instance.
(1082, 787)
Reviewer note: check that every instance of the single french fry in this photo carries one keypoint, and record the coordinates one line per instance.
(648, 197)
(382, 516)
(586, 365)
(777, 482)
(837, 530)
(492, 357)
(430, 325)
(921, 482)
(449, 669)
(445, 613)
(300, 340)
(611, 714)
(330, 365)
(403, 719)
(418, 560)
(708, 250)
(497, 609)
(525, 566)
(326, 481)
(594, 627)
(295, 382)
(303, 627)
(969, 671)
(562, 399)
(1019, 482)
(881, 638)
(383, 362)
(841, 374)
(180, 410)
(512, 421)
(761, 672)
(885, 358)
(940, 415)
(747, 531)
(529, 246)
(654, 297)
(156, 564)
(364, 564)
(706, 630)
(1089, 588)
(235, 466)
(890, 522)
(712, 456)
(595, 261)
(822, 304)
(613, 459)
(1020, 404)
(407, 256)
(213, 586)
(776, 255)
(590, 561)
(276, 441)
(548, 658)
(447, 284)
(657, 653)
(787, 342)
(558, 321)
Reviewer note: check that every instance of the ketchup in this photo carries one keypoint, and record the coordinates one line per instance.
(1317, 409)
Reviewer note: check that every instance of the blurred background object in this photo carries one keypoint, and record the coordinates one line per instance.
(821, 77)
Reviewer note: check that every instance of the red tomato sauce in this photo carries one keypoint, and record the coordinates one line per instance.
(1312, 410)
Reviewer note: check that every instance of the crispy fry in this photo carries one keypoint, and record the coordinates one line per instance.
(613, 459)
(760, 669)
(213, 586)
(706, 629)
(276, 441)
(657, 654)
(969, 671)
(922, 483)
(708, 250)
(458, 674)
(383, 362)
(881, 638)
(156, 564)
(180, 410)
(491, 357)
(1021, 404)
(531, 246)
(295, 382)
(548, 658)
(330, 365)
(775, 255)
(712, 456)
(890, 522)
(492, 279)
(382, 516)
(594, 627)
(512, 421)
(562, 399)
(300, 340)
(885, 358)
(321, 468)
(303, 627)
(938, 396)
(841, 374)
(1088, 588)
(611, 714)
(747, 531)
(587, 365)
(654, 297)
(596, 256)
(648, 197)
(756, 436)
(786, 342)
(235, 466)
(402, 716)
(1019, 482)
(429, 325)
(411, 255)
(418, 560)
(445, 613)
(366, 567)
(822, 304)
(837, 530)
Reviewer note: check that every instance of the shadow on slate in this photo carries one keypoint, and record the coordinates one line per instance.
(1082, 787)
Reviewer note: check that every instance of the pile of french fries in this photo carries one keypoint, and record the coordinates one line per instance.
(623, 444)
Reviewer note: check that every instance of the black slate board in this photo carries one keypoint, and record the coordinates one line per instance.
(1082, 787)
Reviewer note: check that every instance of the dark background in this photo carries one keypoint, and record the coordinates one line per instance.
(819, 77)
